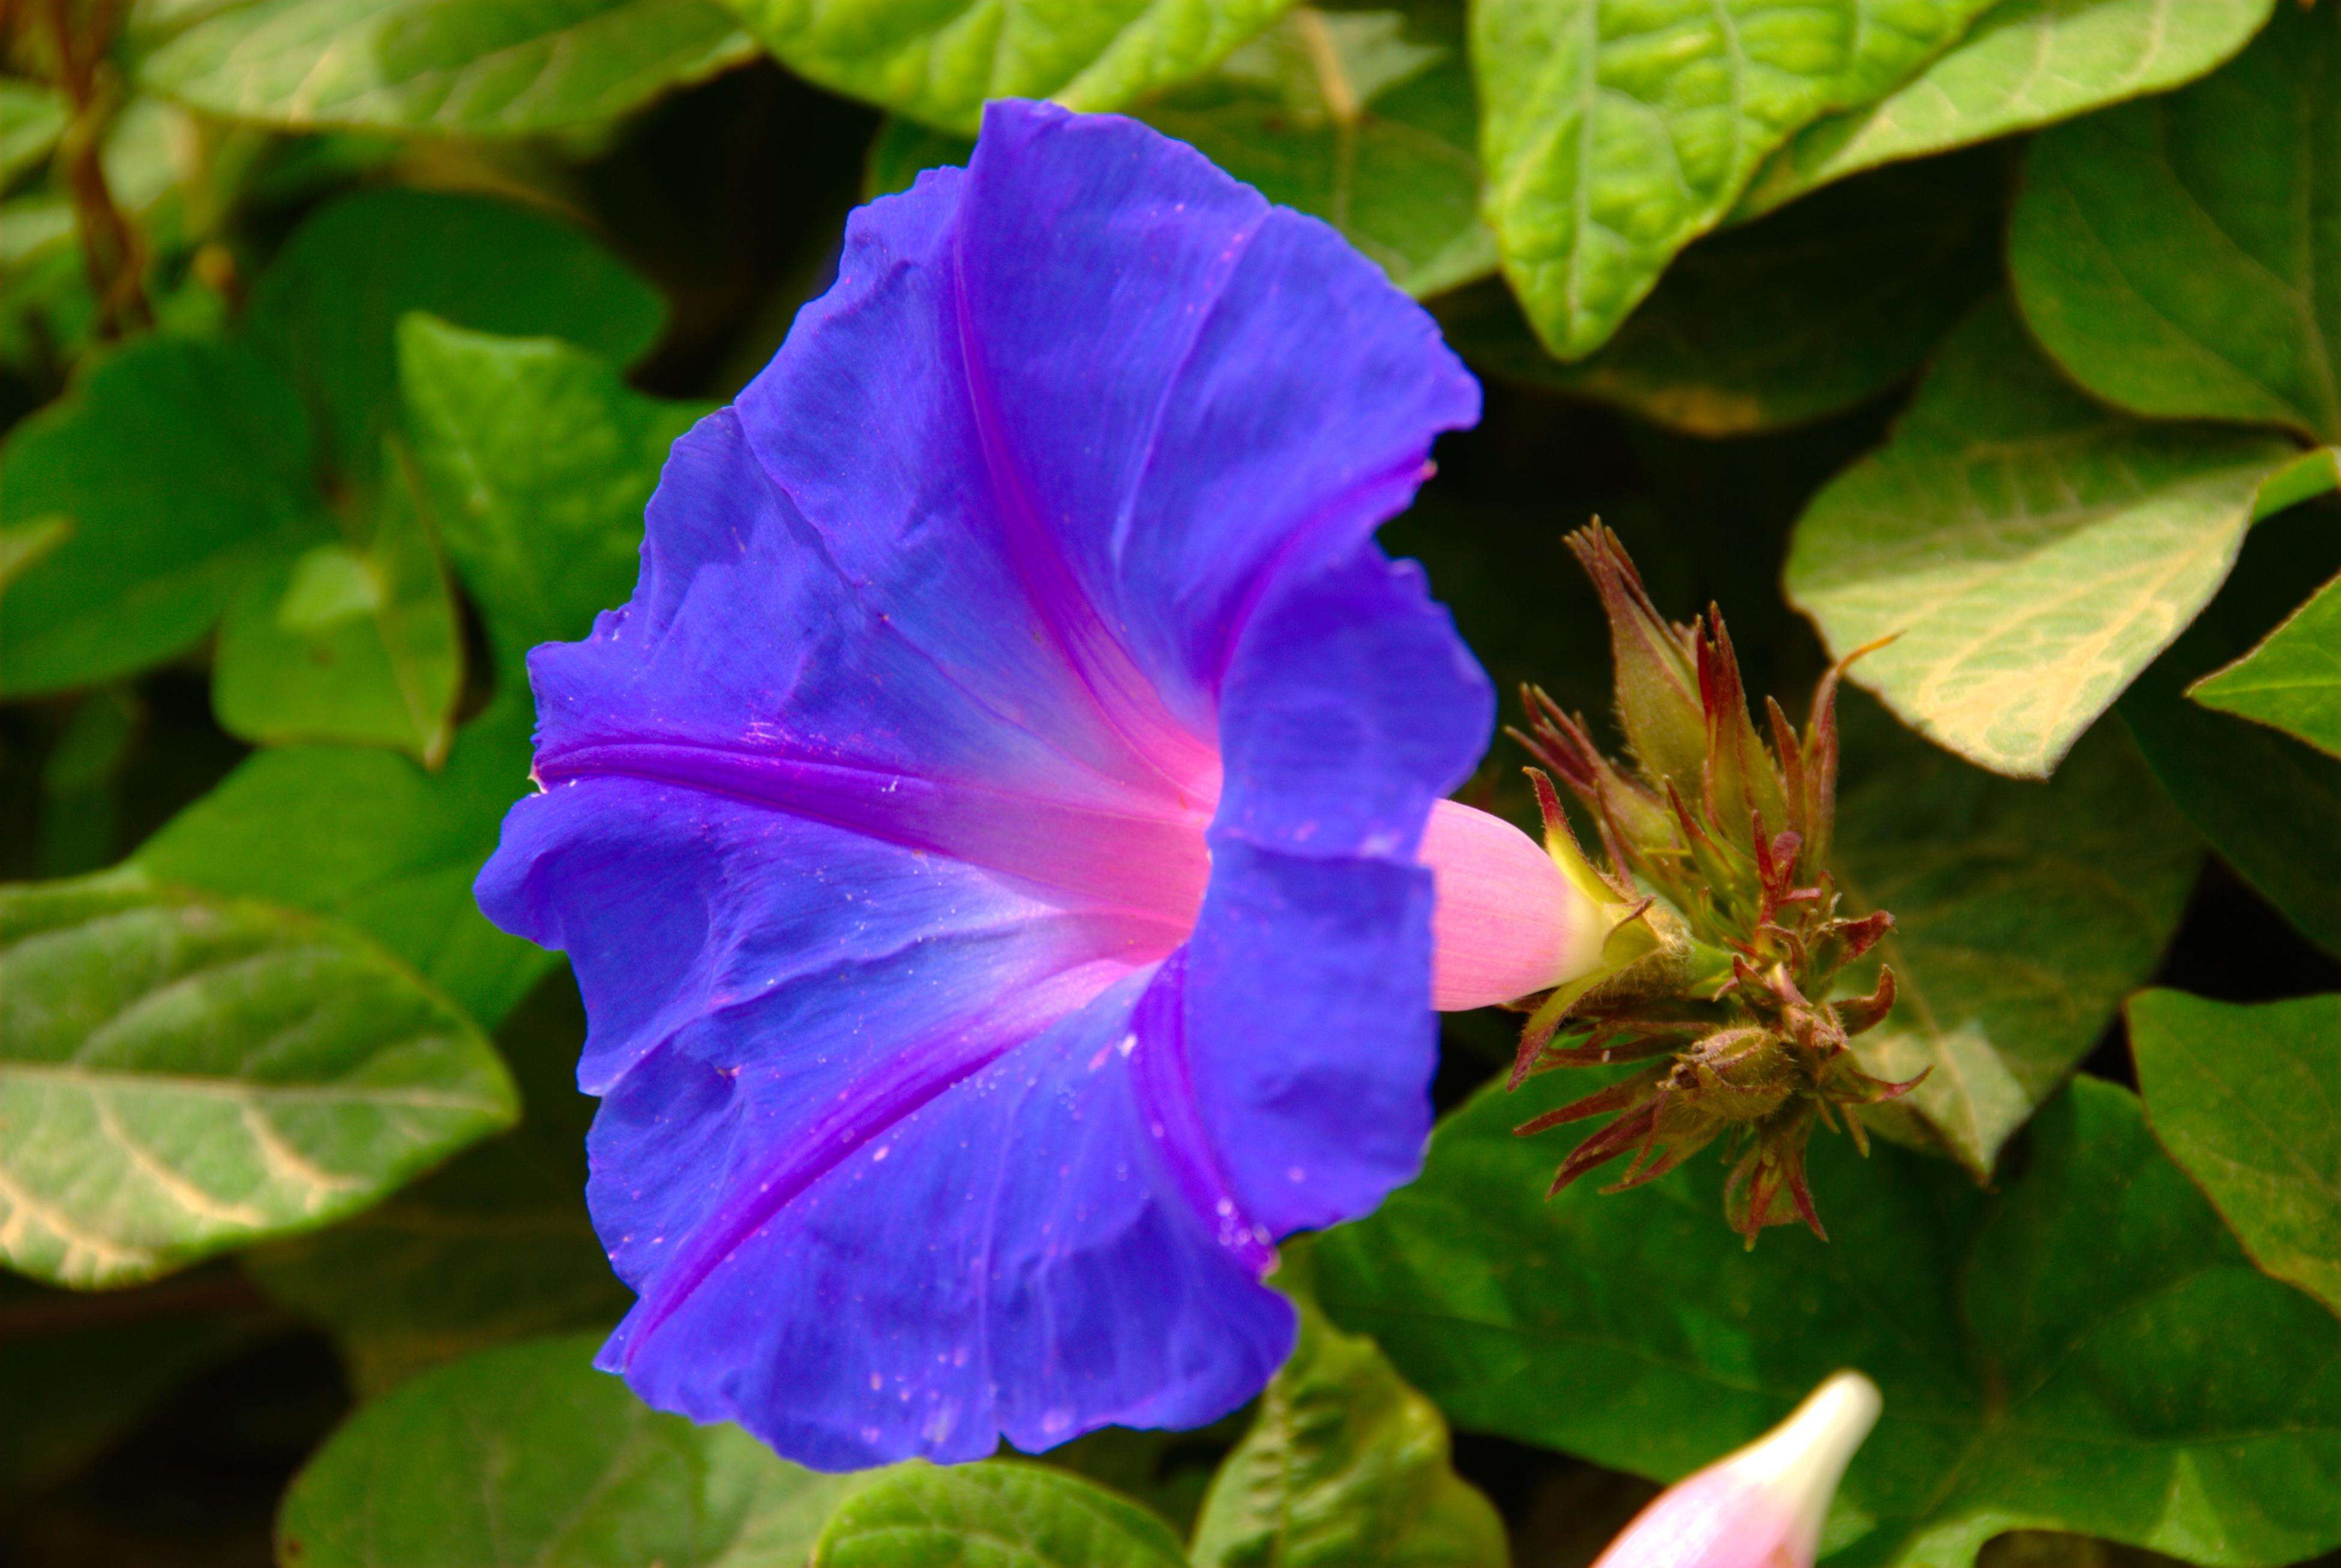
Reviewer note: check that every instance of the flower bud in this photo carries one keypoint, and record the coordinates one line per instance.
(1507, 923)
(1763, 1507)
(1660, 703)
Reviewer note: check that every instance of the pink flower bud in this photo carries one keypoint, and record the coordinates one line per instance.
(1761, 1507)
(1507, 923)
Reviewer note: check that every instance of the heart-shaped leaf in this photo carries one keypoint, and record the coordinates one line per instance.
(2249, 1100)
(2027, 550)
(536, 462)
(2178, 256)
(1614, 135)
(2088, 1350)
(326, 312)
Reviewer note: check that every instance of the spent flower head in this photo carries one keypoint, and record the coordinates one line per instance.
(1717, 848)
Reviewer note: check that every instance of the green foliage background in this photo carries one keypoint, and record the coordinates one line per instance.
(341, 341)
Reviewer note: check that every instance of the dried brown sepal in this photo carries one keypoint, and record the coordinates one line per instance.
(1725, 836)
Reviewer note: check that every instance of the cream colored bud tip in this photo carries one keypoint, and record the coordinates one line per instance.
(1763, 1505)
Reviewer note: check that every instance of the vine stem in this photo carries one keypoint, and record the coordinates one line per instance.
(112, 251)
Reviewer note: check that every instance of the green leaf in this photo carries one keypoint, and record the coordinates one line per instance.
(526, 1455)
(328, 309)
(996, 1515)
(537, 460)
(2247, 1100)
(536, 463)
(1781, 322)
(184, 1075)
(2292, 680)
(32, 118)
(937, 60)
(2024, 65)
(347, 644)
(2088, 1350)
(2028, 549)
(1354, 111)
(370, 838)
(1167, 1473)
(1614, 135)
(1344, 1467)
(2024, 913)
(2177, 257)
(449, 68)
(176, 469)
(1359, 114)
(2269, 805)
(495, 1247)
(80, 780)
(904, 150)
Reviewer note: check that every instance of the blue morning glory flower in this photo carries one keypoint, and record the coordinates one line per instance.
(991, 842)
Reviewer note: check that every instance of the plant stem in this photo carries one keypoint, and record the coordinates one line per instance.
(112, 250)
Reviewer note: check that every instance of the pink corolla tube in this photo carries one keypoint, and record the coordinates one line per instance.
(1762, 1506)
(1505, 922)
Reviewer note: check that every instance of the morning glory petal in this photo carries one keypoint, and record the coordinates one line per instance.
(988, 839)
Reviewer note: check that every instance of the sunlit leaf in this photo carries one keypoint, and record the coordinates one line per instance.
(371, 839)
(2269, 804)
(1355, 112)
(181, 1075)
(2028, 550)
(2249, 1100)
(535, 461)
(937, 60)
(495, 1247)
(2024, 64)
(453, 68)
(2086, 1350)
(1361, 114)
(1614, 134)
(2177, 257)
